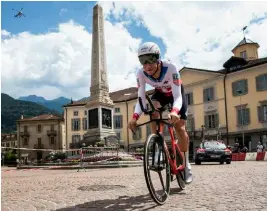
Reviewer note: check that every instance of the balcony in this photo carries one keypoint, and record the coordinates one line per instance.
(25, 133)
(52, 133)
(38, 146)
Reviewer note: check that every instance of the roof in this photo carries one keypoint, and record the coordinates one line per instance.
(42, 117)
(242, 65)
(201, 70)
(245, 41)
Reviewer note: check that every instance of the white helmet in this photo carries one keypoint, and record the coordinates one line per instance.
(149, 48)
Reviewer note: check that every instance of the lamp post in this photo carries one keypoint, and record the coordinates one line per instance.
(203, 136)
(242, 120)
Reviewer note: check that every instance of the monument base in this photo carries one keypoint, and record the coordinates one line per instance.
(94, 137)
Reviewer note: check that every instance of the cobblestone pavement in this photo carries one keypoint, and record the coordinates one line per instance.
(239, 186)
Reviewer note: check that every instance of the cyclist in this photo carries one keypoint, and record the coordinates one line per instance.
(165, 77)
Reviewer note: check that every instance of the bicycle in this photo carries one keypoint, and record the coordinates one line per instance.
(169, 159)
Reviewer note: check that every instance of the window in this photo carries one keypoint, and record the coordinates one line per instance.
(52, 140)
(261, 82)
(243, 54)
(25, 141)
(118, 135)
(138, 134)
(52, 127)
(262, 113)
(84, 123)
(75, 124)
(85, 113)
(117, 110)
(76, 138)
(75, 113)
(190, 124)
(39, 142)
(25, 128)
(240, 87)
(243, 115)
(189, 98)
(118, 121)
(211, 121)
(39, 128)
(208, 94)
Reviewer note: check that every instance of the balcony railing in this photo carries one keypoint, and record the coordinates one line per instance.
(51, 133)
(24, 133)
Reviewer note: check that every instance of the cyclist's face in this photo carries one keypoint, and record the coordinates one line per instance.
(150, 69)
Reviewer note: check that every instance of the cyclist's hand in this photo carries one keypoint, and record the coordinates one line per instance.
(173, 117)
(132, 124)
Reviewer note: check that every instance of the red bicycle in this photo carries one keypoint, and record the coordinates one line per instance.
(158, 157)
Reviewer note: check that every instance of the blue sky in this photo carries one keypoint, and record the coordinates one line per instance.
(50, 48)
(42, 17)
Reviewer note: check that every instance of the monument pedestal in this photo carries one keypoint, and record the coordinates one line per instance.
(100, 122)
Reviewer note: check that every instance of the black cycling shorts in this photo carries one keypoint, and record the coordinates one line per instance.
(164, 100)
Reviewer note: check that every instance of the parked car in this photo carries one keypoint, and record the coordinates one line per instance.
(213, 151)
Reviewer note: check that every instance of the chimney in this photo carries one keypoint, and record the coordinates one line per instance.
(21, 117)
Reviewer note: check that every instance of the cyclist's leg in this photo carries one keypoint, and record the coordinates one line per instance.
(156, 99)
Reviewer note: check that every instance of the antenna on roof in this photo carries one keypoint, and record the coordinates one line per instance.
(244, 28)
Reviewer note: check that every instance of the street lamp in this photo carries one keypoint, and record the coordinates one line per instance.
(242, 121)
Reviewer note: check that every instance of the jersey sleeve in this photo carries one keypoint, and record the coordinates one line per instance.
(141, 85)
(176, 89)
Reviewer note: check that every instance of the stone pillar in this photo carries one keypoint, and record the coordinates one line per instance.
(100, 106)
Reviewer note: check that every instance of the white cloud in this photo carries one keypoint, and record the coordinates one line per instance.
(59, 63)
(190, 29)
(5, 33)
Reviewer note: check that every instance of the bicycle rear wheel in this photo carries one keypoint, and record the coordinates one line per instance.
(155, 160)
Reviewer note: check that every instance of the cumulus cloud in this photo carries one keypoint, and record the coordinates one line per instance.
(58, 63)
(197, 34)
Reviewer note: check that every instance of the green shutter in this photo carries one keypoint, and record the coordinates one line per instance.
(245, 86)
(72, 124)
(206, 121)
(121, 121)
(204, 95)
(260, 114)
(217, 120)
(212, 97)
(234, 88)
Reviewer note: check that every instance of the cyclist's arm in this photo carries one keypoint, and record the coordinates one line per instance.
(176, 90)
(141, 84)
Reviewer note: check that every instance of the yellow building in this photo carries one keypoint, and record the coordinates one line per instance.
(41, 132)
(213, 103)
(219, 101)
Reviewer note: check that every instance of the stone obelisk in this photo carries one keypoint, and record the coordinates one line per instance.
(99, 106)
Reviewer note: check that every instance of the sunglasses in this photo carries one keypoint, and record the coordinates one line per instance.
(148, 59)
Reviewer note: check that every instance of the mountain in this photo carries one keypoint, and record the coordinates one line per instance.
(12, 109)
(55, 104)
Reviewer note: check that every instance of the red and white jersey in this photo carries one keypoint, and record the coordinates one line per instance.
(168, 82)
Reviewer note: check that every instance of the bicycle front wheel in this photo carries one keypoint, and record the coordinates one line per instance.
(155, 165)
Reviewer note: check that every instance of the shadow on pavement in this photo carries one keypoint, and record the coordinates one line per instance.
(122, 203)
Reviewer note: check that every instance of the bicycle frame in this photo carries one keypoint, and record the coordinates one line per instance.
(174, 169)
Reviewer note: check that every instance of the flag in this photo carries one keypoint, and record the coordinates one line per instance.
(244, 28)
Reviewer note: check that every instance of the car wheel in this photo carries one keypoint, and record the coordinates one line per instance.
(228, 162)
